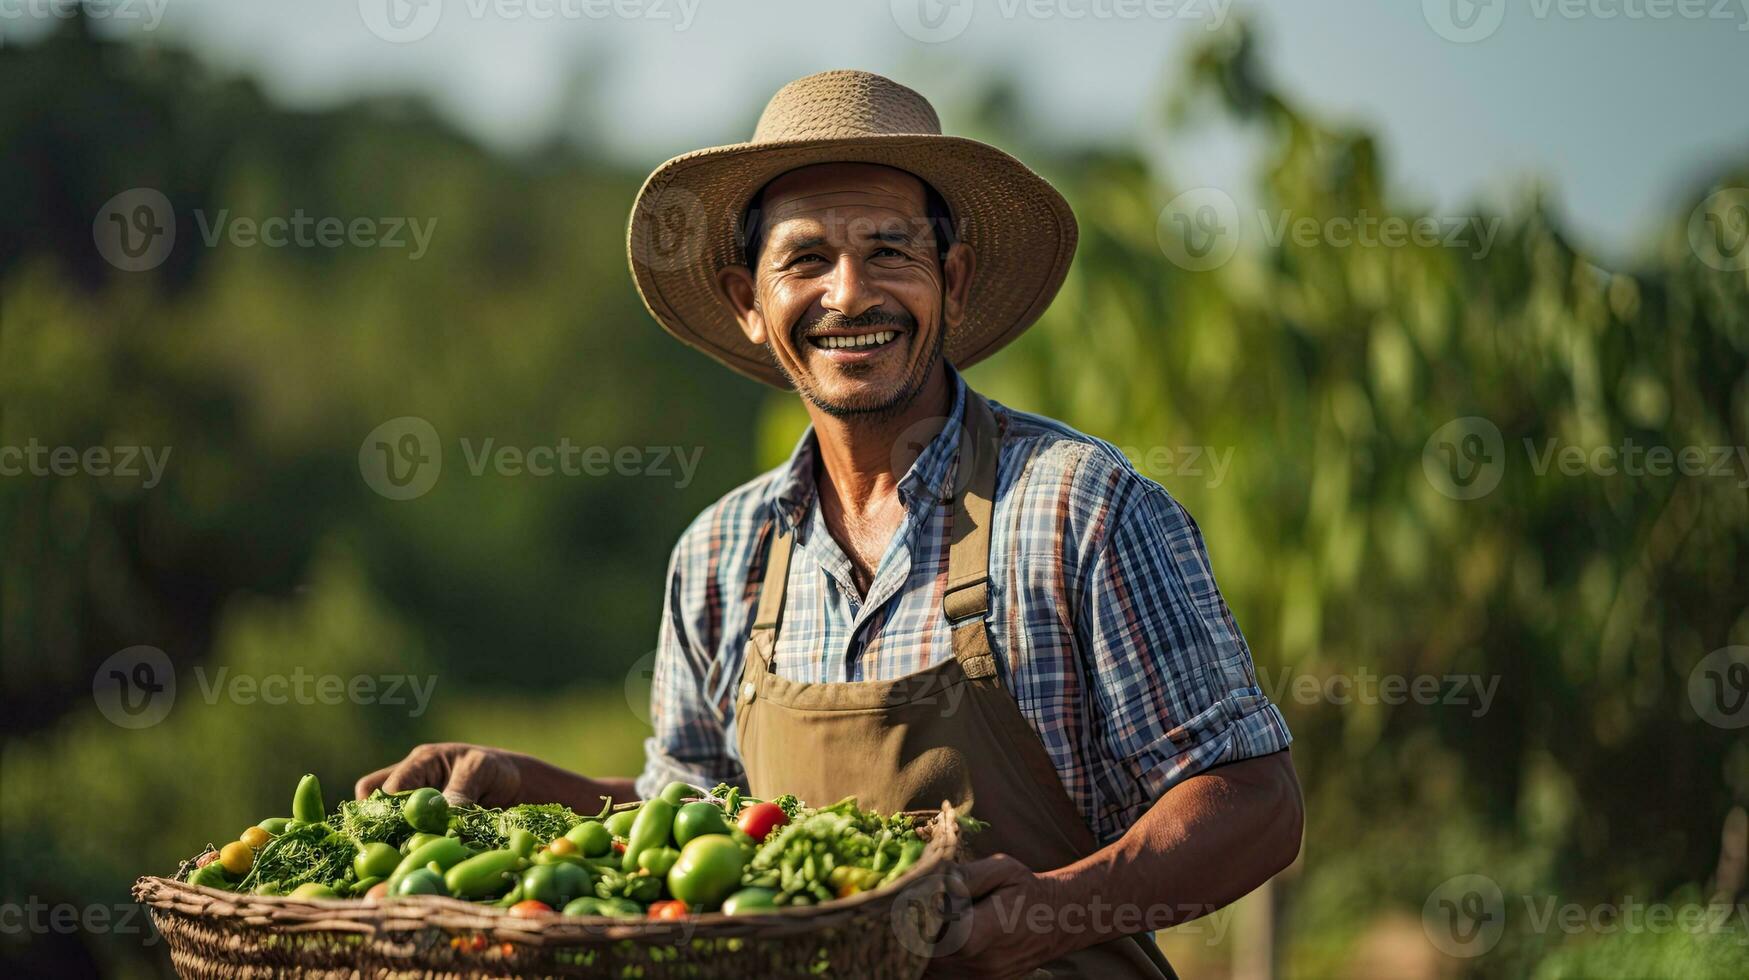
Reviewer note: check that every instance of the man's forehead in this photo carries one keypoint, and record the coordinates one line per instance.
(811, 190)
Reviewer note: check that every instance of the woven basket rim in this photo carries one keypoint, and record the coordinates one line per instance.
(284, 913)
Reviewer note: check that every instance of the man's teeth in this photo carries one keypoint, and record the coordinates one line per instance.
(860, 340)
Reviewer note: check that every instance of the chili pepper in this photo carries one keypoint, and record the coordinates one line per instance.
(307, 801)
(483, 874)
(650, 829)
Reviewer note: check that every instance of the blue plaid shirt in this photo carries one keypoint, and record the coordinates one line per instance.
(1105, 620)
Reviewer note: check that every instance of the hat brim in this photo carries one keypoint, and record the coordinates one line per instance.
(686, 226)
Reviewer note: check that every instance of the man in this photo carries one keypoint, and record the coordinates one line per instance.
(1012, 619)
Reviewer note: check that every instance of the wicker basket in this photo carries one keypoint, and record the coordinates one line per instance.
(215, 934)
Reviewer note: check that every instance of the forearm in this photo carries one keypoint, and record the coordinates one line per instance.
(1208, 841)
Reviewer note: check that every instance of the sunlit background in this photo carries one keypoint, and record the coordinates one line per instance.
(1423, 461)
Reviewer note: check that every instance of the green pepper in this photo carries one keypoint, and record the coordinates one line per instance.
(621, 908)
(658, 860)
(522, 842)
(643, 888)
(912, 850)
(417, 841)
(307, 801)
(419, 881)
(445, 852)
(268, 888)
(587, 905)
(363, 885)
(511, 897)
(747, 900)
(210, 876)
(650, 829)
(274, 825)
(483, 875)
(677, 791)
(619, 823)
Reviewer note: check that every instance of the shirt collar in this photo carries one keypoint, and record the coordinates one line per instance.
(925, 480)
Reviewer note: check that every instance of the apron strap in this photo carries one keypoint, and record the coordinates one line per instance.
(966, 597)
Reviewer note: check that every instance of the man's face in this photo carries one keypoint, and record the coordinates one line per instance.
(847, 291)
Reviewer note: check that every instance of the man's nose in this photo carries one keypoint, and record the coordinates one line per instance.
(850, 292)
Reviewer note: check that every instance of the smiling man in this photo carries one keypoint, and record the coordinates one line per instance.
(937, 597)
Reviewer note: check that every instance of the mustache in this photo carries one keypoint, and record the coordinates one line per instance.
(833, 320)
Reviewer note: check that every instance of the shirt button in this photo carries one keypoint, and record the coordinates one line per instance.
(747, 690)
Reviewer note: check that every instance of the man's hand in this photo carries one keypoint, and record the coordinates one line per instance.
(997, 941)
(465, 773)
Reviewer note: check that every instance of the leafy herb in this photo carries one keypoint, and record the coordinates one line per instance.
(314, 852)
(375, 818)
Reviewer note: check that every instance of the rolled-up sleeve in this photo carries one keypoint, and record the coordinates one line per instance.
(1173, 686)
(689, 742)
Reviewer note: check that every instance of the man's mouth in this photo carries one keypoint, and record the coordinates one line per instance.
(855, 342)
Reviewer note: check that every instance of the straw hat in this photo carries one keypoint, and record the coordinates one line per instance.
(687, 222)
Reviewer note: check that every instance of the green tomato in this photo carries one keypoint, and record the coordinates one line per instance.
(274, 825)
(376, 860)
(697, 820)
(619, 823)
(750, 901)
(658, 861)
(573, 881)
(420, 881)
(313, 889)
(592, 838)
(541, 883)
(426, 811)
(676, 791)
(708, 871)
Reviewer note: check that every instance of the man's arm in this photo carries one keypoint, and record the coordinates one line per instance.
(1208, 841)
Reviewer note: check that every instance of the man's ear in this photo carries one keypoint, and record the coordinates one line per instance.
(736, 283)
(957, 272)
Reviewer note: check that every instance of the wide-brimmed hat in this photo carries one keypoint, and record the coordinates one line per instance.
(688, 220)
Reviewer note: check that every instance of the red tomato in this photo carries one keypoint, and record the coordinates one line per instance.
(760, 819)
(619, 847)
(530, 909)
(668, 909)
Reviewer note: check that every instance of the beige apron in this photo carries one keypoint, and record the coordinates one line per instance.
(950, 732)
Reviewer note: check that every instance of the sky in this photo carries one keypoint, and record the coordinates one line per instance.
(1617, 109)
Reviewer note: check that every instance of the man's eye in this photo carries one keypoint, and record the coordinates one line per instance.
(888, 251)
(810, 257)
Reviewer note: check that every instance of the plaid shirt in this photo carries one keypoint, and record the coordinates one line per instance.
(1106, 624)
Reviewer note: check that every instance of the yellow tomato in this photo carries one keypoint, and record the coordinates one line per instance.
(237, 857)
(255, 837)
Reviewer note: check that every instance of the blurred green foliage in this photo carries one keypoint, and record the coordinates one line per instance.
(1324, 370)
